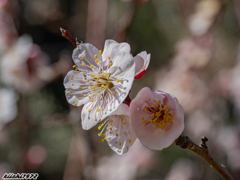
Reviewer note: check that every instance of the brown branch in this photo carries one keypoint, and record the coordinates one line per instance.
(202, 150)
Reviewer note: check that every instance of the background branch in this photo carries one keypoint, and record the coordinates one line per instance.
(202, 150)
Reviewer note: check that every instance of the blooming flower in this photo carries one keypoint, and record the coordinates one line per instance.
(8, 106)
(101, 80)
(157, 118)
(117, 130)
(141, 61)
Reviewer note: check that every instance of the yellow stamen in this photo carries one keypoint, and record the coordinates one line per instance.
(82, 57)
(74, 66)
(123, 122)
(110, 64)
(75, 104)
(98, 109)
(116, 134)
(117, 81)
(100, 51)
(129, 141)
(97, 61)
(91, 66)
(89, 110)
(95, 56)
(82, 64)
(142, 118)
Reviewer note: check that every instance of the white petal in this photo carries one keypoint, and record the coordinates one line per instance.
(122, 69)
(111, 48)
(87, 51)
(73, 92)
(124, 131)
(89, 119)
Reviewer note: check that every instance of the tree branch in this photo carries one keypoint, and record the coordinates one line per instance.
(202, 150)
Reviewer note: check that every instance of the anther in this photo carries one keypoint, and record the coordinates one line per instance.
(82, 57)
(98, 109)
(95, 56)
(142, 118)
(116, 134)
(100, 51)
(91, 66)
(117, 81)
(97, 61)
(74, 66)
(82, 64)
(75, 104)
(89, 110)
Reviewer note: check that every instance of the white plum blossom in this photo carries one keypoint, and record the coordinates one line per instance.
(157, 118)
(101, 80)
(8, 106)
(117, 130)
(141, 63)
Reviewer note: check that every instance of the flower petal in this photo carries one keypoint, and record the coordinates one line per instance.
(74, 94)
(89, 115)
(111, 48)
(126, 136)
(84, 53)
(141, 61)
(151, 137)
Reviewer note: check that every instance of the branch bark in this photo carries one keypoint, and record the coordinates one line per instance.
(202, 150)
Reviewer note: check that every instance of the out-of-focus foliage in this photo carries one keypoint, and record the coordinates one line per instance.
(194, 56)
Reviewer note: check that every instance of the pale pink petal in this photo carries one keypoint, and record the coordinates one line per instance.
(141, 61)
(151, 137)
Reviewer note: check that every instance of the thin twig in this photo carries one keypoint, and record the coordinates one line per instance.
(202, 150)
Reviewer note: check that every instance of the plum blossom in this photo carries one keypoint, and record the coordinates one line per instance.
(157, 118)
(141, 63)
(101, 80)
(117, 130)
(8, 105)
(21, 65)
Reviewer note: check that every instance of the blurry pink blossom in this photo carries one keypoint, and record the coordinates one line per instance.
(7, 31)
(185, 84)
(21, 63)
(157, 118)
(204, 17)
(127, 166)
(8, 105)
(35, 156)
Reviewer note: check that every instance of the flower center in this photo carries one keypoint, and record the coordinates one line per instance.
(160, 116)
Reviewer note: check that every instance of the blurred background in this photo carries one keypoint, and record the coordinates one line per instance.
(195, 56)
